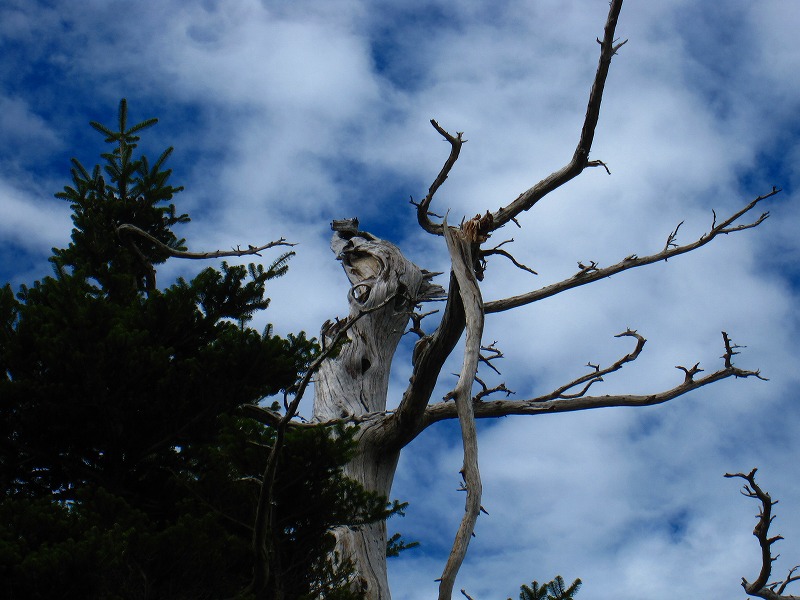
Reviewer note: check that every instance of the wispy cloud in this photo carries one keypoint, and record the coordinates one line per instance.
(285, 116)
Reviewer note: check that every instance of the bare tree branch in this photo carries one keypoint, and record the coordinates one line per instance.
(492, 353)
(590, 273)
(423, 216)
(382, 434)
(760, 587)
(202, 255)
(431, 351)
(580, 159)
(558, 401)
(416, 320)
(487, 391)
(497, 250)
(459, 247)
(430, 354)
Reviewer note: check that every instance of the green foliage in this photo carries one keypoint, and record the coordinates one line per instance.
(125, 468)
(113, 383)
(315, 498)
(193, 540)
(395, 545)
(135, 193)
(552, 590)
(560, 591)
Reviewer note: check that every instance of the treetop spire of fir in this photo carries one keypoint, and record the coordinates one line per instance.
(127, 190)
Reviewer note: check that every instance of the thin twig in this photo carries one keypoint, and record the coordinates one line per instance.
(202, 255)
(590, 273)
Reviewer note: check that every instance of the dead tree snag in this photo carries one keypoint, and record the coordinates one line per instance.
(387, 290)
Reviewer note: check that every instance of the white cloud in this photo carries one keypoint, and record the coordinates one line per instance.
(31, 222)
(319, 110)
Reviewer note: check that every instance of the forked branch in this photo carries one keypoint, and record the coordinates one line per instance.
(596, 376)
(761, 586)
(588, 274)
(431, 351)
(580, 159)
(497, 250)
(559, 400)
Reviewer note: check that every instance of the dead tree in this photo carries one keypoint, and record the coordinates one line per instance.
(762, 587)
(386, 294)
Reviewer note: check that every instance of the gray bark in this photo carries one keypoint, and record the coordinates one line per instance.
(353, 384)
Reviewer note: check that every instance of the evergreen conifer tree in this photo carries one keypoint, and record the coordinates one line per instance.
(126, 467)
(556, 589)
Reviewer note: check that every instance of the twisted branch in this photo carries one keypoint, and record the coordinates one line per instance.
(462, 262)
(760, 587)
(423, 216)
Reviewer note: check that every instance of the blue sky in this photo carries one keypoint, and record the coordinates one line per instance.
(285, 116)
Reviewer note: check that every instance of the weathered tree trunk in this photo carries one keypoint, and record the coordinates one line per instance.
(353, 384)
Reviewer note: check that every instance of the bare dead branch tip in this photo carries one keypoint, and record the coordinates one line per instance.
(487, 391)
(466, 595)
(494, 353)
(671, 239)
(580, 158)
(760, 587)
(498, 251)
(423, 213)
(596, 375)
(598, 163)
(585, 269)
(690, 373)
(730, 352)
